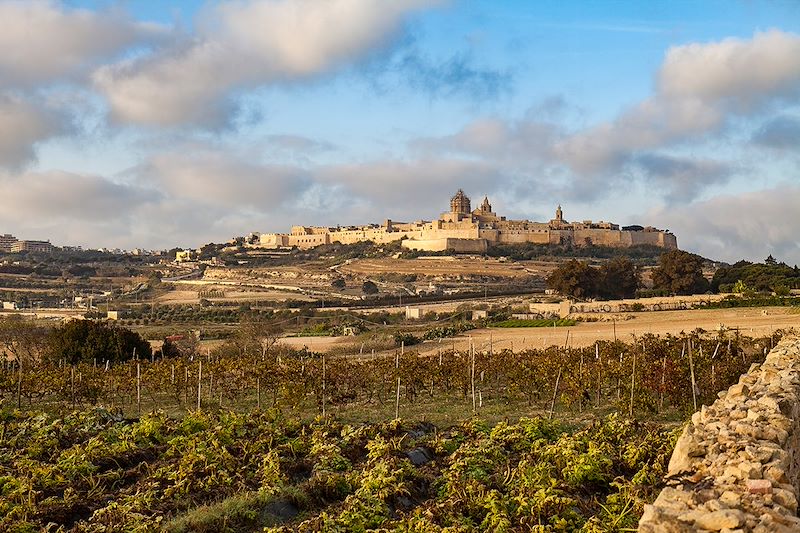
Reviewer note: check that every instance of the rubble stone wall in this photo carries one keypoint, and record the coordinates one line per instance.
(736, 466)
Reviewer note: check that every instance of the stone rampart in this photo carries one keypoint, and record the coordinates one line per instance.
(736, 466)
(439, 245)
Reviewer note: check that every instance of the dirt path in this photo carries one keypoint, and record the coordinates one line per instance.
(750, 321)
(316, 344)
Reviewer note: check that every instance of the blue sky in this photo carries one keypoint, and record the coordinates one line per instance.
(156, 124)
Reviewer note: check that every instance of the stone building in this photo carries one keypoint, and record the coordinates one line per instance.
(6, 242)
(465, 230)
(32, 246)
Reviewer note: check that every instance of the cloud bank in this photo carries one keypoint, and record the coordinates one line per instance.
(751, 225)
(25, 122)
(246, 44)
(42, 41)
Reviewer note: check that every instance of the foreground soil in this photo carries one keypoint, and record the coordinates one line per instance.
(750, 321)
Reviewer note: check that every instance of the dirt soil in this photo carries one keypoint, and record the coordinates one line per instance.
(231, 296)
(446, 267)
(749, 321)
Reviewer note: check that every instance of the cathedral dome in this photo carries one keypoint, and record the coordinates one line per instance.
(460, 203)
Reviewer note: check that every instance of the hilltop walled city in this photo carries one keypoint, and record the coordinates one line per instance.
(465, 230)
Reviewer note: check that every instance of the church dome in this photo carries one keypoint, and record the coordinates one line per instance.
(460, 203)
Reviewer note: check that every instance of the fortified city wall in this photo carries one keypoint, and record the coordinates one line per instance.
(736, 467)
(481, 225)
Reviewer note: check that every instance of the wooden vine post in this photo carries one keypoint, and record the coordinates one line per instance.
(713, 372)
(555, 395)
(599, 372)
(472, 376)
(633, 382)
(138, 390)
(580, 384)
(199, 382)
(397, 390)
(663, 382)
(323, 385)
(691, 372)
(19, 383)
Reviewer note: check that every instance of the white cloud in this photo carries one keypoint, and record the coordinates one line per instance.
(780, 133)
(653, 123)
(57, 196)
(41, 41)
(743, 72)
(173, 200)
(42, 44)
(23, 124)
(700, 86)
(732, 227)
(499, 140)
(209, 177)
(305, 37)
(69, 208)
(216, 180)
(410, 189)
(681, 178)
(245, 44)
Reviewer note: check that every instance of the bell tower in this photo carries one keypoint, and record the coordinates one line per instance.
(559, 214)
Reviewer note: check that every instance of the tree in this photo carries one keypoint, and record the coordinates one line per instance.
(740, 287)
(369, 287)
(22, 339)
(761, 277)
(575, 278)
(619, 278)
(87, 341)
(339, 283)
(184, 345)
(782, 290)
(680, 272)
(255, 337)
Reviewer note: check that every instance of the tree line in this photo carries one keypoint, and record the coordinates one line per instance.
(744, 276)
(678, 272)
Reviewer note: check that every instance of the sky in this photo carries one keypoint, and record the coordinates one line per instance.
(147, 123)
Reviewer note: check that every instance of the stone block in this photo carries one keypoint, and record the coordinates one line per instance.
(759, 486)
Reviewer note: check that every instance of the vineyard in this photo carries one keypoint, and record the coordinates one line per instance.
(227, 471)
(650, 375)
(251, 436)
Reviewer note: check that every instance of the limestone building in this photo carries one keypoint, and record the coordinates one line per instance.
(6, 242)
(32, 246)
(465, 230)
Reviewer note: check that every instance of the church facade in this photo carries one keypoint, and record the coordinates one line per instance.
(465, 230)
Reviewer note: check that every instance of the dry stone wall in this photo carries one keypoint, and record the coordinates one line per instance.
(736, 466)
